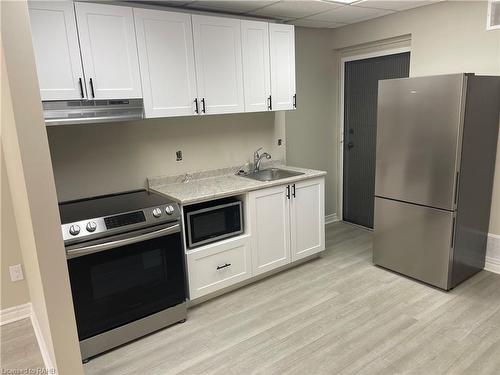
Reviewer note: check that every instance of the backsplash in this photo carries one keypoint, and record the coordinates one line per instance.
(90, 160)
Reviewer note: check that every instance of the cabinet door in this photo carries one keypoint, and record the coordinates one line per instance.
(166, 58)
(256, 69)
(307, 218)
(109, 51)
(217, 47)
(282, 51)
(270, 227)
(57, 54)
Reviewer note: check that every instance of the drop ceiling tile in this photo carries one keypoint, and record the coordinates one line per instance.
(317, 24)
(235, 6)
(393, 4)
(295, 8)
(350, 14)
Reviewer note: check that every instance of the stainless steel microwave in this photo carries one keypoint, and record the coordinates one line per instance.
(213, 221)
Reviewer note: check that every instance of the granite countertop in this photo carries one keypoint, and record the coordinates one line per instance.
(208, 185)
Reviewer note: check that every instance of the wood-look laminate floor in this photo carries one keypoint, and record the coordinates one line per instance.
(338, 314)
(19, 348)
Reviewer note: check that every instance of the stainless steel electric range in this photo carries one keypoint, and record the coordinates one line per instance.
(126, 267)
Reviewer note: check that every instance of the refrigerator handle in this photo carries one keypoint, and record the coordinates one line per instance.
(453, 232)
(456, 188)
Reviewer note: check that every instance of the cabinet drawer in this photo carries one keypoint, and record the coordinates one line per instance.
(218, 266)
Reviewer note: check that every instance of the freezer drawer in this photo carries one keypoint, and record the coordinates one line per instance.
(413, 240)
(419, 124)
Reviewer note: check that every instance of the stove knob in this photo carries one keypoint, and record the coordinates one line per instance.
(169, 210)
(157, 212)
(91, 226)
(74, 230)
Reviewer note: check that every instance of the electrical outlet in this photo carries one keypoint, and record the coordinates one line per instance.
(178, 155)
(16, 272)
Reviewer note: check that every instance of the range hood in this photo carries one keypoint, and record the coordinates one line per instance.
(92, 111)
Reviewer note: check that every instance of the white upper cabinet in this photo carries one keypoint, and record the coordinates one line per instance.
(256, 69)
(55, 41)
(166, 57)
(282, 51)
(219, 72)
(109, 51)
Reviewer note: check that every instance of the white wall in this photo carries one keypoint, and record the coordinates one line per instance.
(105, 158)
(447, 37)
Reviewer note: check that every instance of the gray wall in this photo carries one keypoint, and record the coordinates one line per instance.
(97, 159)
(310, 132)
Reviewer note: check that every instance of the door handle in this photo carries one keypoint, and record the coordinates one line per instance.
(350, 145)
(288, 191)
(92, 88)
(81, 87)
(295, 101)
(196, 110)
(203, 110)
(270, 103)
(293, 190)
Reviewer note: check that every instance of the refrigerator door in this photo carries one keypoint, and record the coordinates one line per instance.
(418, 139)
(413, 240)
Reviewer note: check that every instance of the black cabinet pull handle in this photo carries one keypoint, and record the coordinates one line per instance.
(288, 191)
(92, 88)
(81, 87)
(293, 190)
(223, 266)
(196, 106)
(203, 105)
(295, 101)
(270, 103)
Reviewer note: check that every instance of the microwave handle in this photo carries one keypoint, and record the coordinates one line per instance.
(86, 250)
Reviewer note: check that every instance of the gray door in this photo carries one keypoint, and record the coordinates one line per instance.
(418, 138)
(360, 121)
(413, 240)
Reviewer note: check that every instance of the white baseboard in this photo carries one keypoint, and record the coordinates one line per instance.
(332, 218)
(42, 345)
(13, 314)
(492, 263)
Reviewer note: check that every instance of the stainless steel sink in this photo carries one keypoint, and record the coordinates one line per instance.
(272, 174)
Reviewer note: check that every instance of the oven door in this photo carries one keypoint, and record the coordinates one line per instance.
(214, 223)
(124, 279)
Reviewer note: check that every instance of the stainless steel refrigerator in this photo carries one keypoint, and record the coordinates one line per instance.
(435, 160)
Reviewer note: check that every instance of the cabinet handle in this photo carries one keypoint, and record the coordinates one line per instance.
(196, 106)
(92, 88)
(203, 105)
(293, 190)
(223, 266)
(288, 191)
(81, 87)
(270, 103)
(295, 101)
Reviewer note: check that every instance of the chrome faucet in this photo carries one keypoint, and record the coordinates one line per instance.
(257, 158)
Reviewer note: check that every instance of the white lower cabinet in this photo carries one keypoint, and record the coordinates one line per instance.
(270, 226)
(283, 224)
(307, 218)
(288, 223)
(219, 265)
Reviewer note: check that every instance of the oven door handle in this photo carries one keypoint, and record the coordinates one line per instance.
(86, 250)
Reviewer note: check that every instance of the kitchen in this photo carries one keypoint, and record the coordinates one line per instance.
(123, 155)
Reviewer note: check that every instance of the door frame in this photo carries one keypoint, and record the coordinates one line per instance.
(343, 60)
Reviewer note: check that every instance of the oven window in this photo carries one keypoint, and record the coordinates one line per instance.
(118, 286)
(214, 223)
